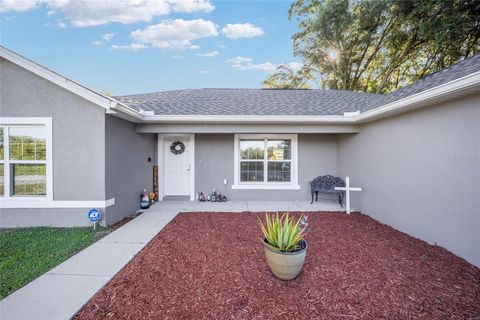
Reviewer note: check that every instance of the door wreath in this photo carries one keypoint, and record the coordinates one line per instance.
(177, 147)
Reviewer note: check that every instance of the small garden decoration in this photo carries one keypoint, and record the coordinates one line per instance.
(285, 248)
(177, 147)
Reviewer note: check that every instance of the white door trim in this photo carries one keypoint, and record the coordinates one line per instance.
(192, 166)
(161, 163)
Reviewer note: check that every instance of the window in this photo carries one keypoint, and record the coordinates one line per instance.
(252, 156)
(263, 162)
(24, 155)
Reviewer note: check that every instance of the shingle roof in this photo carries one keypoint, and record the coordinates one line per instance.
(456, 71)
(284, 102)
(249, 102)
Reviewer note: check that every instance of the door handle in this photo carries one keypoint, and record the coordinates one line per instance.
(188, 168)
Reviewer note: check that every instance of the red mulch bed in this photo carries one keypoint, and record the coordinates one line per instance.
(211, 266)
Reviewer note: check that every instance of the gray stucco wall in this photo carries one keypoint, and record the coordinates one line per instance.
(214, 161)
(44, 217)
(128, 171)
(78, 130)
(78, 144)
(420, 173)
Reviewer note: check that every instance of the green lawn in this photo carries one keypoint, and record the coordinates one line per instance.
(27, 253)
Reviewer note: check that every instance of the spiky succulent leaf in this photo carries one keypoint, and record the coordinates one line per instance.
(281, 232)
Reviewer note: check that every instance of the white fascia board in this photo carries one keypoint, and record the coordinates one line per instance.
(245, 119)
(407, 103)
(72, 86)
(126, 110)
(109, 103)
(442, 90)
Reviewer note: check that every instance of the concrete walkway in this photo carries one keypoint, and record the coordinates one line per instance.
(62, 291)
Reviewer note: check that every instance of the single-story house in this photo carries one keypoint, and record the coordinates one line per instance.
(415, 152)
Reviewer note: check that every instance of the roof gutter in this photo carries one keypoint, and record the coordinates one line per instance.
(128, 111)
(466, 83)
(457, 86)
(469, 82)
(245, 119)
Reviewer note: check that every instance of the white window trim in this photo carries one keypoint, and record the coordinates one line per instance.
(45, 121)
(293, 185)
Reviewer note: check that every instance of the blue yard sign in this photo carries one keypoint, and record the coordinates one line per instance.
(94, 215)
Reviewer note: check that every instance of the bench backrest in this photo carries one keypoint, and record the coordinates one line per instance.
(326, 183)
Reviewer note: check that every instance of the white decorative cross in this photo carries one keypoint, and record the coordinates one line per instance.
(347, 190)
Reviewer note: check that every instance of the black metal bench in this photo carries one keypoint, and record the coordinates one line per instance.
(327, 184)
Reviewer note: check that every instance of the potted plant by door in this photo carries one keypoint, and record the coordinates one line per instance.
(284, 245)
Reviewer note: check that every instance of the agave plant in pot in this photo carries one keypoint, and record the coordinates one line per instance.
(284, 245)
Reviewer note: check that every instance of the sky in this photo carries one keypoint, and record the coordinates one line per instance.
(138, 46)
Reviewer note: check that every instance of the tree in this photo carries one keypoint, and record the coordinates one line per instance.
(381, 45)
(286, 77)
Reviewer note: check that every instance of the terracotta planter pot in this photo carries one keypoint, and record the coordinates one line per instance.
(286, 265)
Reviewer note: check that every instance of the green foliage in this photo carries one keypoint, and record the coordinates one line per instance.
(281, 232)
(27, 253)
(27, 148)
(381, 45)
(252, 153)
(285, 77)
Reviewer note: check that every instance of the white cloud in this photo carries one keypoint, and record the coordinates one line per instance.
(108, 36)
(190, 5)
(61, 24)
(208, 54)
(175, 34)
(245, 63)
(82, 13)
(242, 30)
(132, 47)
(177, 56)
(205, 72)
(18, 5)
(295, 66)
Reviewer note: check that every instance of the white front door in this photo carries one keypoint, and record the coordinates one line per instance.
(177, 168)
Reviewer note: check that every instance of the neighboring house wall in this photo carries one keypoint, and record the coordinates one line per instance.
(214, 162)
(420, 173)
(78, 143)
(128, 171)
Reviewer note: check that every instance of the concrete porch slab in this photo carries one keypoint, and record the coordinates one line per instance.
(241, 206)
